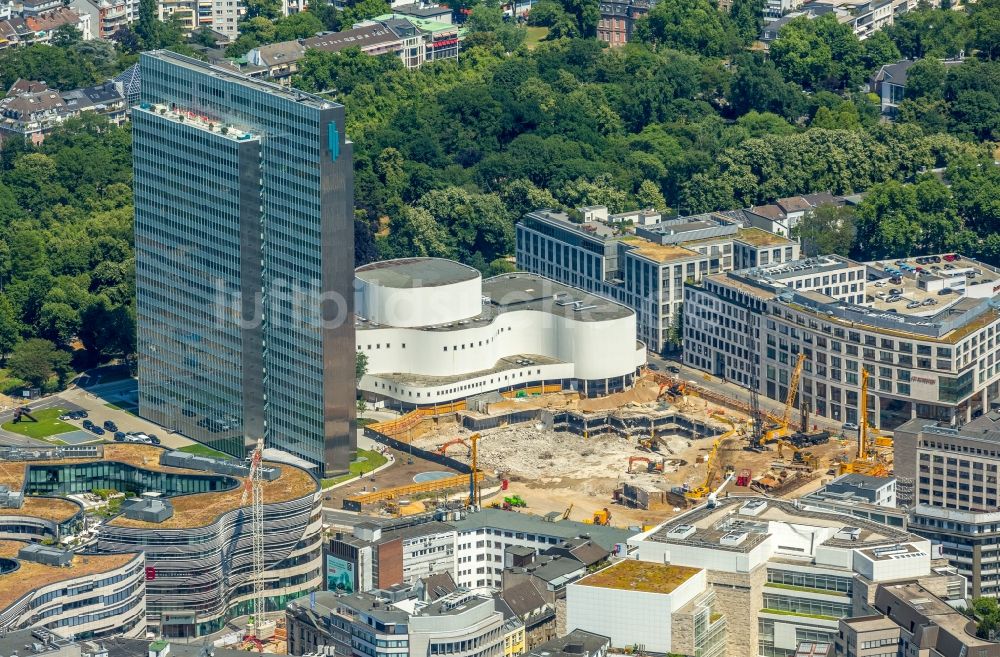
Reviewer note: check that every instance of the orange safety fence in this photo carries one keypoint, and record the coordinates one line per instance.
(532, 390)
(408, 421)
(413, 489)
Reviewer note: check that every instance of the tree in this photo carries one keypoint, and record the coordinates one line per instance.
(650, 196)
(928, 32)
(362, 407)
(107, 331)
(748, 19)
(984, 24)
(362, 11)
(10, 327)
(58, 322)
(360, 365)
(696, 27)
(819, 53)
(298, 26)
(879, 49)
(828, 229)
(759, 86)
(66, 35)
(925, 79)
(269, 9)
(37, 360)
(326, 13)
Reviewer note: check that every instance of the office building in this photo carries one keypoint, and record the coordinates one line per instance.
(373, 557)
(776, 573)
(862, 496)
(244, 262)
(435, 332)
(911, 620)
(948, 480)
(925, 333)
(462, 623)
(484, 536)
(71, 594)
(189, 522)
(574, 644)
(641, 260)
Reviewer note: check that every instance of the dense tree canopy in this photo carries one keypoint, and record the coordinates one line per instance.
(449, 156)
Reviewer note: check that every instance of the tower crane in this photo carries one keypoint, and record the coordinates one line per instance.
(258, 627)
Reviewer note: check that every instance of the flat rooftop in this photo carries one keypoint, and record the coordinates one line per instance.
(659, 252)
(645, 576)
(798, 268)
(47, 508)
(416, 272)
(195, 510)
(293, 95)
(506, 364)
(529, 523)
(31, 575)
(707, 527)
(760, 237)
(523, 291)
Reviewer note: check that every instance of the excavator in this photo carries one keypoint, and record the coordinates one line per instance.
(798, 455)
(651, 465)
(566, 513)
(671, 391)
(649, 443)
(867, 460)
(702, 491)
(455, 441)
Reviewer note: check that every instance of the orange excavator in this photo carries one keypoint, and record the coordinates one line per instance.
(455, 441)
(670, 391)
(651, 466)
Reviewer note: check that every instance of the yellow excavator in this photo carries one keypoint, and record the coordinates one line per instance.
(706, 487)
(867, 460)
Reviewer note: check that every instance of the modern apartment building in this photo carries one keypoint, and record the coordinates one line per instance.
(948, 480)
(927, 338)
(388, 623)
(775, 573)
(244, 259)
(641, 260)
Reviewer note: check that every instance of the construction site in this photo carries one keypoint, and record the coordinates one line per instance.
(630, 459)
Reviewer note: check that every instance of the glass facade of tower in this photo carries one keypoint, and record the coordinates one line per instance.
(244, 248)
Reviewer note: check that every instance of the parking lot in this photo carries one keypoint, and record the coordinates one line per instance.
(907, 293)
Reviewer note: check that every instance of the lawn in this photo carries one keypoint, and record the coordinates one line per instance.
(358, 467)
(535, 36)
(48, 424)
(204, 450)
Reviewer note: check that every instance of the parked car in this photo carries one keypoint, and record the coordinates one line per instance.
(949, 258)
(110, 426)
(935, 258)
(654, 366)
(850, 426)
(87, 424)
(930, 302)
(97, 430)
(674, 369)
(120, 436)
(912, 305)
(945, 291)
(154, 440)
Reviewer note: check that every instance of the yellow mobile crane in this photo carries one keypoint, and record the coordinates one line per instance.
(784, 428)
(867, 460)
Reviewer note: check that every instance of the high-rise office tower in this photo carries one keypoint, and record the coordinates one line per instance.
(244, 235)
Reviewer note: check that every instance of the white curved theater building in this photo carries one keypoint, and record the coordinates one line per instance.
(435, 332)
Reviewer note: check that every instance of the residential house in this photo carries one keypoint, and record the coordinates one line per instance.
(31, 115)
(37, 7)
(437, 13)
(889, 83)
(618, 19)
(45, 24)
(784, 215)
(102, 98)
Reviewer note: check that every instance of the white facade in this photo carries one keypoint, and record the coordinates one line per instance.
(630, 617)
(435, 341)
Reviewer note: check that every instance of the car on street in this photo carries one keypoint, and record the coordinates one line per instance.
(674, 369)
(654, 366)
